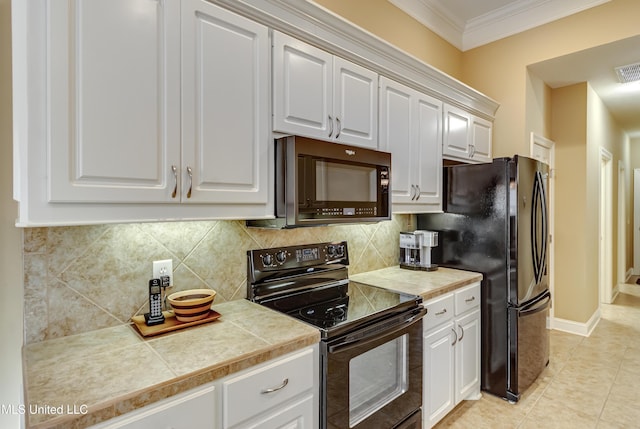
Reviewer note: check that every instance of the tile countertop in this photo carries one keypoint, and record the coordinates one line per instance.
(427, 284)
(83, 379)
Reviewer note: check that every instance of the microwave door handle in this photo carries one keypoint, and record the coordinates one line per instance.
(351, 342)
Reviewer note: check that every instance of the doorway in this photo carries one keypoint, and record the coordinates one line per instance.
(606, 227)
(543, 149)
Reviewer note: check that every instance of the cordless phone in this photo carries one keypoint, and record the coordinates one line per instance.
(154, 316)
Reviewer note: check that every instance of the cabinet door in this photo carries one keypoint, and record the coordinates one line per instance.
(428, 151)
(299, 415)
(302, 88)
(355, 104)
(468, 355)
(225, 90)
(396, 133)
(114, 100)
(438, 367)
(457, 133)
(247, 395)
(481, 139)
(192, 410)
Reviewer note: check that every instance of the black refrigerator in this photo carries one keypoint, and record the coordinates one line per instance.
(495, 223)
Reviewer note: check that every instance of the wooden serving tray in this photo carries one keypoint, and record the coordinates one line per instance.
(170, 323)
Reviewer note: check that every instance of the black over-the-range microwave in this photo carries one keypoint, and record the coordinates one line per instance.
(320, 183)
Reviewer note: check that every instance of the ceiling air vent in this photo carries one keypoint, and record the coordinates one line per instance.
(629, 73)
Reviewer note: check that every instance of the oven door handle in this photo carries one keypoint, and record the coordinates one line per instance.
(371, 334)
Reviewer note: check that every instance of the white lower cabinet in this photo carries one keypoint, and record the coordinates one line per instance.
(194, 409)
(451, 352)
(279, 394)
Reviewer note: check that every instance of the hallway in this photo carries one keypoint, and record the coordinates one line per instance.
(591, 382)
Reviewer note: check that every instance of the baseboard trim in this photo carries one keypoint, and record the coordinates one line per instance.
(630, 289)
(628, 274)
(577, 328)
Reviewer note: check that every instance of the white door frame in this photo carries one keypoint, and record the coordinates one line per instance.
(544, 150)
(636, 221)
(622, 223)
(605, 266)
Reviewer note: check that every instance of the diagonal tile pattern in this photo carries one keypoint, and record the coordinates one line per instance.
(591, 382)
(84, 278)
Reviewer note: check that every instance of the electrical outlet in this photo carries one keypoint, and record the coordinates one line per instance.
(163, 268)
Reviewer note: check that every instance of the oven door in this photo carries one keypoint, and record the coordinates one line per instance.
(372, 378)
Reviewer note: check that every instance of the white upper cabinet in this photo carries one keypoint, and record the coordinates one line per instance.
(411, 129)
(481, 136)
(225, 106)
(316, 94)
(113, 76)
(466, 136)
(144, 106)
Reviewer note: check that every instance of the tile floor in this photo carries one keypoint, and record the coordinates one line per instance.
(591, 382)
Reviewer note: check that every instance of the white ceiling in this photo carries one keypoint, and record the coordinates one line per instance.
(467, 24)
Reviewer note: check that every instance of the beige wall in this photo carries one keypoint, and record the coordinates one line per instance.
(569, 130)
(396, 27)
(499, 69)
(11, 293)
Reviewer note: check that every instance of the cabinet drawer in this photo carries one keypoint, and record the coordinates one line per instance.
(439, 310)
(467, 298)
(246, 395)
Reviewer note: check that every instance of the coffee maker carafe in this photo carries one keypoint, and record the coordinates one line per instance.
(415, 250)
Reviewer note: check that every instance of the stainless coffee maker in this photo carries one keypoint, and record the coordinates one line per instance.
(415, 250)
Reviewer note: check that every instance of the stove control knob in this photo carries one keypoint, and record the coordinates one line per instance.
(340, 250)
(331, 251)
(267, 260)
(281, 256)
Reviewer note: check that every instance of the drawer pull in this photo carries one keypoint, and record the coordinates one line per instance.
(470, 299)
(275, 389)
(440, 313)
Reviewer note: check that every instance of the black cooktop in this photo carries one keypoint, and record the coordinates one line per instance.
(310, 283)
(362, 305)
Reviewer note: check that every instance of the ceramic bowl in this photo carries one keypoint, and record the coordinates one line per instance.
(192, 304)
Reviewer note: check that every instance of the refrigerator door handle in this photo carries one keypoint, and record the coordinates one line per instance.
(538, 229)
(540, 305)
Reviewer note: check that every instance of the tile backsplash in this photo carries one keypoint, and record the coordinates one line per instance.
(83, 278)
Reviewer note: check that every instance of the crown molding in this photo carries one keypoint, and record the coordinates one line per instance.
(326, 30)
(513, 18)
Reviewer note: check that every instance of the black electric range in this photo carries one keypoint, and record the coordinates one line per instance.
(310, 283)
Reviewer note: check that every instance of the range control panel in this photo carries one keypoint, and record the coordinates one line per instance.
(298, 256)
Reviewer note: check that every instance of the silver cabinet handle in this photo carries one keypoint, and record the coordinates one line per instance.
(339, 127)
(473, 298)
(190, 173)
(440, 313)
(275, 389)
(461, 333)
(175, 178)
(414, 190)
(417, 192)
(472, 149)
(330, 125)
(455, 334)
